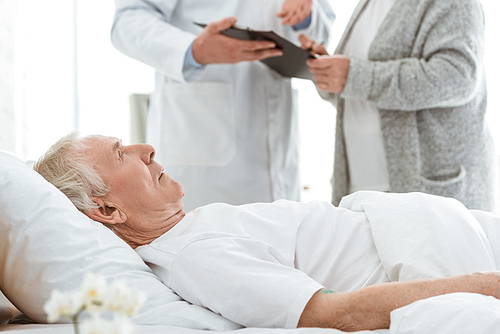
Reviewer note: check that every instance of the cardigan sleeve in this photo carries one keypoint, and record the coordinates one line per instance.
(446, 74)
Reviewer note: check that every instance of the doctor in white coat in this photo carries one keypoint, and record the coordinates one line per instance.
(224, 125)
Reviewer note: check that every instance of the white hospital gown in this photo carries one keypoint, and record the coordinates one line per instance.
(259, 264)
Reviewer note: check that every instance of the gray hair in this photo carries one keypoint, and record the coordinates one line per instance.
(66, 167)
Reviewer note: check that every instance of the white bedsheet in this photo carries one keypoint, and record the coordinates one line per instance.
(68, 329)
(458, 313)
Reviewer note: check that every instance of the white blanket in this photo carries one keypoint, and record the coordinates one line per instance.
(419, 235)
(456, 313)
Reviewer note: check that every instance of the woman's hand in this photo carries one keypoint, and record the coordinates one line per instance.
(309, 44)
(330, 72)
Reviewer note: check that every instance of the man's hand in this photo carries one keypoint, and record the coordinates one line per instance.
(295, 11)
(212, 47)
(369, 308)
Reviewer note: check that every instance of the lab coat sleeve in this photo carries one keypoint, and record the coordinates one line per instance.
(141, 31)
(447, 74)
(242, 279)
(322, 18)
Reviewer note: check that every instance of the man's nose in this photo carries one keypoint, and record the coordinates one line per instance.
(147, 153)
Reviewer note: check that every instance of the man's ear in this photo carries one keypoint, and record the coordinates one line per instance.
(106, 212)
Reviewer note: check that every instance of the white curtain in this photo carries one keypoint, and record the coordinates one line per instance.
(8, 14)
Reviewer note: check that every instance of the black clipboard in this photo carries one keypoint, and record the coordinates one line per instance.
(292, 64)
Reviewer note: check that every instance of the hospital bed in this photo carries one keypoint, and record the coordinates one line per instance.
(45, 243)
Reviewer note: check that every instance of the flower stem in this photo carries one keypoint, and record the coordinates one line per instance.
(75, 323)
(75, 320)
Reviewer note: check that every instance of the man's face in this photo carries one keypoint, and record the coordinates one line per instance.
(136, 181)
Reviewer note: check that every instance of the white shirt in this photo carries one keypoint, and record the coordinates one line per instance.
(363, 136)
(259, 264)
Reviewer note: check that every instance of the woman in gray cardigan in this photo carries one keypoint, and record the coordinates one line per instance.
(409, 86)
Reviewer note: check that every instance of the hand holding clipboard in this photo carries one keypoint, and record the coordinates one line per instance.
(291, 64)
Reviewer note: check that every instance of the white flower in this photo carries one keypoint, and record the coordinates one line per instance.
(123, 301)
(123, 325)
(97, 325)
(134, 304)
(60, 304)
(96, 297)
(93, 294)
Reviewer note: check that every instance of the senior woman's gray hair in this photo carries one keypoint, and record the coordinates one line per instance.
(66, 167)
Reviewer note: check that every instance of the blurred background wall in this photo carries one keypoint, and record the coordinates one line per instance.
(59, 73)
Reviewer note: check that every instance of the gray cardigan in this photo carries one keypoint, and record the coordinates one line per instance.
(425, 75)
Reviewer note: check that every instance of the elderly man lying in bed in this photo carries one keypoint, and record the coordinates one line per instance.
(260, 265)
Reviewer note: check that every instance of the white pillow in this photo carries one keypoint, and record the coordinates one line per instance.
(46, 243)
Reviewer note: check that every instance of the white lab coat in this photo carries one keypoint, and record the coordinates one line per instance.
(230, 134)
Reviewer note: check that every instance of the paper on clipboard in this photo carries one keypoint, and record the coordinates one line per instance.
(292, 64)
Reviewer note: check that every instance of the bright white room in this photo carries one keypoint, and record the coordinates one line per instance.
(59, 73)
